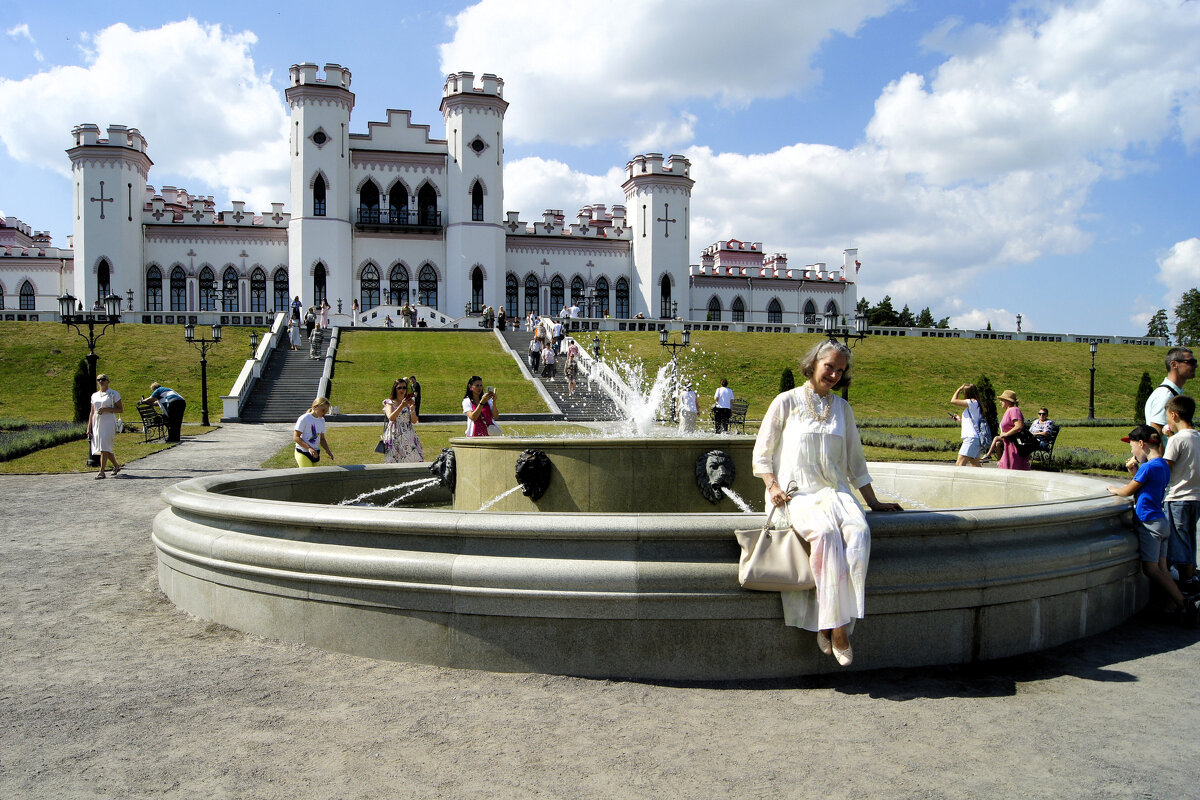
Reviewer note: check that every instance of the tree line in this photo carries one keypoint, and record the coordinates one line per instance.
(1187, 321)
(883, 313)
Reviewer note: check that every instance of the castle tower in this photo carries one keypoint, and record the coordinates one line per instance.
(109, 177)
(659, 202)
(474, 209)
(319, 232)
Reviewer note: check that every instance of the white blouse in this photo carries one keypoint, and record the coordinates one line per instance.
(811, 440)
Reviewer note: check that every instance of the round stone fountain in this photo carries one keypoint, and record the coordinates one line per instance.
(623, 568)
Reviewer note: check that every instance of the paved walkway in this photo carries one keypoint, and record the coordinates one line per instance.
(107, 689)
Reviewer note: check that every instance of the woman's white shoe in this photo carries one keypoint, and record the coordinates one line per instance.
(824, 644)
(844, 657)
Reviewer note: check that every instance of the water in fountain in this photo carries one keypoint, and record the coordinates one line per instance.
(498, 498)
(737, 499)
(360, 498)
(425, 483)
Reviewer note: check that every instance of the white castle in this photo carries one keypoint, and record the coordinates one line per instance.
(394, 216)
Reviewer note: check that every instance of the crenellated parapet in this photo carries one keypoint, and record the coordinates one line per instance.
(733, 258)
(307, 85)
(122, 147)
(593, 221)
(174, 206)
(460, 95)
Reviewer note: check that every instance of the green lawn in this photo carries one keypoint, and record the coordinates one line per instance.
(39, 358)
(369, 361)
(71, 456)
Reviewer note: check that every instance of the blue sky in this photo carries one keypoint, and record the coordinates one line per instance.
(986, 158)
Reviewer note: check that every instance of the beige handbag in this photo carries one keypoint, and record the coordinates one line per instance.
(774, 560)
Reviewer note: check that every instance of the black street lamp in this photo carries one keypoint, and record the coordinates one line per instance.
(849, 339)
(663, 337)
(71, 312)
(1092, 382)
(203, 345)
(596, 347)
(129, 294)
(253, 343)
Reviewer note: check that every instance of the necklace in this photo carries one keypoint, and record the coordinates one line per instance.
(818, 408)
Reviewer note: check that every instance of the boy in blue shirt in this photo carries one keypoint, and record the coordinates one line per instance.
(1150, 478)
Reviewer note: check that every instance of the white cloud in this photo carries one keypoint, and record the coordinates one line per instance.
(191, 89)
(1179, 270)
(21, 31)
(574, 73)
(1001, 319)
(531, 185)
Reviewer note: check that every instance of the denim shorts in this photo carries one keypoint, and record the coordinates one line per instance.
(970, 448)
(1152, 538)
(1183, 516)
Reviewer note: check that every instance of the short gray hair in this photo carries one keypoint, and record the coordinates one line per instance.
(1177, 354)
(823, 349)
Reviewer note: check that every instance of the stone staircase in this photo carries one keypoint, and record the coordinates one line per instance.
(287, 385)
(588, 404)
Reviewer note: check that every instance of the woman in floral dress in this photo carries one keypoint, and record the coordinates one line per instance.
(399, 436)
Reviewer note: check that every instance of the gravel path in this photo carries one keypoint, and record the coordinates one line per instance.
(108, 690)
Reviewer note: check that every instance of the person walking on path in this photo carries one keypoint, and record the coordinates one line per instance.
(415, 389)
(723, 407)
(172, 404)
(688, 409)
(102, 423)
(1011, 423)
(309, 434)
(1181, 368)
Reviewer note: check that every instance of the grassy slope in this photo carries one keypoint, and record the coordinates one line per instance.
(368, 362)
(38, 360)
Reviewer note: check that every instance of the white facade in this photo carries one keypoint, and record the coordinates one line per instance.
(390, 216)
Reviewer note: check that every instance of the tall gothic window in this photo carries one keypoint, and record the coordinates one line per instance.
(28, 300)
(737, 311)
(398, 205)
(831, 308)
(810, 312)
(208, 298)
(622, 299)
(319, 295)
(154, 289)
(477, 290)
(774, 311)
(398, 285)
(427, 206)
(477, 202)
(178, 289)
(280, 295)
(532, 292)
(319, 197)
(229, 290)
(103, 276)
(258, 291)
(368, 284)
(427, 287)
(1, 297)
(714, 310)
(601, 297)
(557, 294)
(510, 296)
(368, 204)
(664, 298)
(577, 291)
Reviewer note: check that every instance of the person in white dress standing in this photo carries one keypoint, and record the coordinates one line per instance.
(809, 438)
(102, 423)
(399, 436)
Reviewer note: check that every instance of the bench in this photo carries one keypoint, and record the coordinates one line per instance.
(154, 424)
(737, 414)
(1045, 453)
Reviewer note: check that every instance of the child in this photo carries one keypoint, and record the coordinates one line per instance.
(1183, 492)
(1150, 477)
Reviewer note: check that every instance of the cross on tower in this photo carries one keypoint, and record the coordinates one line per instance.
(102, 199)
(667, 221)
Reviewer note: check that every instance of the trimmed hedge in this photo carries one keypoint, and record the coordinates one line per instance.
(17, 443)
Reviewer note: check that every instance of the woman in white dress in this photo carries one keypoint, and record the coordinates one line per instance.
(102, 423)
(293, 334)
(809, 437)
(403, 445)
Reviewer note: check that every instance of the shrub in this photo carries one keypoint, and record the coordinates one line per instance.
(82, 391)
(13, 424)
(787, 381)
(1144, 390)
(897, 441)
(987, 403)
(906, 422)
(14, 444)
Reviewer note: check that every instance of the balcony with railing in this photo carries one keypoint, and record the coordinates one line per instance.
(427, 220)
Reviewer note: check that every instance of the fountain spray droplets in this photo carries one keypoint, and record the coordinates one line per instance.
(425, 483)
(356, 500)
(498, 498)
(737, 499)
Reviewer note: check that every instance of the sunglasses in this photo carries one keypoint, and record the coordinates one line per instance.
(1191, 362)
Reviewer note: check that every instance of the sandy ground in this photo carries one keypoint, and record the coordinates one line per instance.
(108, 690)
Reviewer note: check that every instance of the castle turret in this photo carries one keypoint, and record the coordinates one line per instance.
(659, 200)
(319, 232)
(109, 176)
(474, 117)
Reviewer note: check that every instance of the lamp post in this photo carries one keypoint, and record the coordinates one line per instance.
(596, 347)
(253, 343)
(71, 312)
(1092, 382)
(663, 339)
(129, 294)
(203, 345)
(849, 339)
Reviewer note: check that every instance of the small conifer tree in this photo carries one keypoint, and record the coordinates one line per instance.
(987, 403)
(81, 392)
(787, 381)
(1144, 390)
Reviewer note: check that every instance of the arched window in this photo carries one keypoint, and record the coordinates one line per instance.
(557, 294)
(368, 284)
(738, 310)
(178, 289)
(398, 206)
(831, 308)
(103, 277)
(622, 299)
(477, 290)
(427, 287)
(1, 297)
(319, 295)
(398, 284)
(229, 290)
(577, 291)
(510, 296)
(601, 297)
(368, 204)
(319, 197)
(27, 301)
(427, 205)
(154, 289)
(532, 306)
(774, 311)
(208, 298)
(714, 310)
(664, 298)
(258, 291)
(477, 202)
(810, 312)
(279, 291)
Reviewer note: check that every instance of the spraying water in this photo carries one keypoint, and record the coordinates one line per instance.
(737, 499)
(355, 500)
(498, 498)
